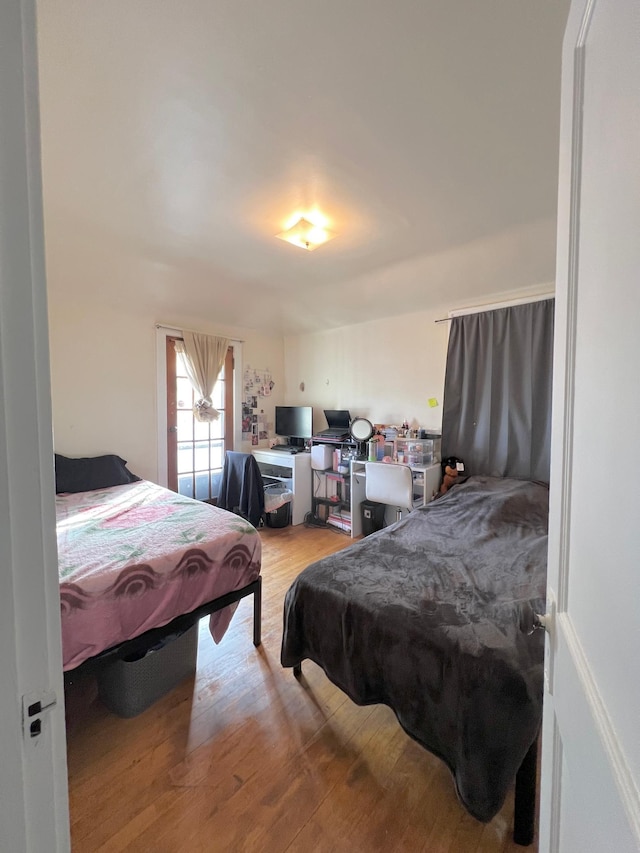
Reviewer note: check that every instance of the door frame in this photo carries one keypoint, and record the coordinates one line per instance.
(172, 407)
(34, 807)
(162, 333)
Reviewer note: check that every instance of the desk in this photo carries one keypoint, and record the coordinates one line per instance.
(426, 485)
(426, 482)
(294, 470)
(344, 507)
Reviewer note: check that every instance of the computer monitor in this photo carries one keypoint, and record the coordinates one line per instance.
(294, 422)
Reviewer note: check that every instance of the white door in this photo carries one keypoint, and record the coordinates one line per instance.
(33, 777)
(591, 734)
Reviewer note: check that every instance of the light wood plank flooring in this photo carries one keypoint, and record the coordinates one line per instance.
(245, 758)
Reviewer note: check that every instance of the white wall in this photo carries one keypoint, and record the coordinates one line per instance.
(384, 370)
(103, 371)
(103, 364)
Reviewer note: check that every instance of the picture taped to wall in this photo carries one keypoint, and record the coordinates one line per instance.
(258, 383)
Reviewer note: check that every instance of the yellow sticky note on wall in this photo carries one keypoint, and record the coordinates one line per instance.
(432, 402)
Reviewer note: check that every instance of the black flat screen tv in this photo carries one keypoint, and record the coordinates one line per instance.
(294, 422)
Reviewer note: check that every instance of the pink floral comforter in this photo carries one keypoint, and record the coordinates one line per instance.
(133, 557)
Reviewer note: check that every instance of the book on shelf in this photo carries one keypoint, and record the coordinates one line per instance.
(339, 521)
(338, 525)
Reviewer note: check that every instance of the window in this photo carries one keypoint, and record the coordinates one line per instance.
(195, 450)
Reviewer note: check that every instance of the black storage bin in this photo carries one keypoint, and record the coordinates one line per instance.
(129, 686)
(372, 516)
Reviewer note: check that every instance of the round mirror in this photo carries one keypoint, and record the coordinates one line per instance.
(361, 429)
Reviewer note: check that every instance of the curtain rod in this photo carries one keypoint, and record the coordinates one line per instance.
(174, 328)
(465, 312)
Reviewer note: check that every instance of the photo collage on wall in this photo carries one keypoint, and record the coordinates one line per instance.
(257, 384)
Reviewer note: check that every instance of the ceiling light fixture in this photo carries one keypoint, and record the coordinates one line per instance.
(307, 235)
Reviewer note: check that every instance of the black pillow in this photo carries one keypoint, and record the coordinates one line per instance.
(92, 472)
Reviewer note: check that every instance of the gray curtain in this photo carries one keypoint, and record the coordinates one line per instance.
(497, 392)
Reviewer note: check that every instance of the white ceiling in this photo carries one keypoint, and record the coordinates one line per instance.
(180, 135)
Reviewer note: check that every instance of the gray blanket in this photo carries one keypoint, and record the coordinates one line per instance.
(427, 617)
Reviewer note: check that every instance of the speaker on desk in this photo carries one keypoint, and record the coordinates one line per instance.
(321, 457)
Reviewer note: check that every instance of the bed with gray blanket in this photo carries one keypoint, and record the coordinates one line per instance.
(429, 617)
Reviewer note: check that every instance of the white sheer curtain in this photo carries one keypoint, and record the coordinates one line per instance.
(203, 359)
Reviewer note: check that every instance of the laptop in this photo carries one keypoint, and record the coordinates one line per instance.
(338, 421)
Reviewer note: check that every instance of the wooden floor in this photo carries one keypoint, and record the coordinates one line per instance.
(246, 758)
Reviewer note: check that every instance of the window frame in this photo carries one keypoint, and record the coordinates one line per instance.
(162, 333)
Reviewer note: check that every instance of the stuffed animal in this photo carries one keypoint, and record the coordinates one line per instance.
(448, 479)
(451, 468)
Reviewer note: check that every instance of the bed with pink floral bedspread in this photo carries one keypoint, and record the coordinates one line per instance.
(134, 557)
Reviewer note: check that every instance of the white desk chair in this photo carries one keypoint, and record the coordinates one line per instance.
(390, 483)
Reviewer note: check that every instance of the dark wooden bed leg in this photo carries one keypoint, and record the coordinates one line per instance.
(257, 613)
(524, 812)
(297, 670)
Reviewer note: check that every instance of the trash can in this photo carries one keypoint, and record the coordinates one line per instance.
(372, 516)
(277, 503)
(279, 517)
